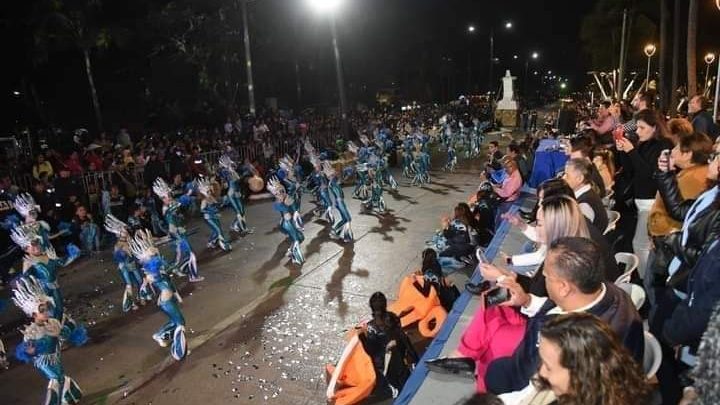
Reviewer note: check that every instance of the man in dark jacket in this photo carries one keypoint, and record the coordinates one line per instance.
(702, 120)
(573, 275)
(153, 169)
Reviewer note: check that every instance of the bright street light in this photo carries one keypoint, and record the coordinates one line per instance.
(508, 24)
(563, 85)
(16, 93)
(515, 56)
(709, 59)
(649, 52)
(325, 6)
(535, 55)
(471, 28)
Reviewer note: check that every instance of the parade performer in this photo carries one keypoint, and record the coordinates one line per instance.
(361, 190)
(421, 163)
(234, 195)
(293, 188)
(129, 272)
(408, 170)
(184, 256)
(283, 204)
(376, 202)
(43, 265)
(342, 228)
(25, 206)
(451, 159)
(210, 209)
(42, 341)
(172, 333)
(319, 181)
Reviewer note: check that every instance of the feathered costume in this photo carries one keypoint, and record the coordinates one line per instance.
(283, 203)
(136, 292)
(292, 186)
(184, 256)
(173, 331)
(210, 209)
(342, 228)
(41, 342)
(234, 194)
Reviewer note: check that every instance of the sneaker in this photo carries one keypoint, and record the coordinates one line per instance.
(161, 340)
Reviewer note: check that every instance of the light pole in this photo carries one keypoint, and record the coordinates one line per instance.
(649, 52)
(709, 59)
(248, 59)
(330, 7)
(508, 26)
(471, 31)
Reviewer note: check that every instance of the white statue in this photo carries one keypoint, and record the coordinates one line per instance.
(508, 100)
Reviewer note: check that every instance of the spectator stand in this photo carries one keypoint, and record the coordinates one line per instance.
(432, 388)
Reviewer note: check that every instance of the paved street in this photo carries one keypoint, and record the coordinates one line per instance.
(259, 329)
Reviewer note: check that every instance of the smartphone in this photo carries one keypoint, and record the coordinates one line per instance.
(618, 133)
(496, 296)
(665, 154)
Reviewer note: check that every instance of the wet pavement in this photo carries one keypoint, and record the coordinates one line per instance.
(259, 328)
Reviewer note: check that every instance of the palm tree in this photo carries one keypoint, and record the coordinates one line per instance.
(692, 47)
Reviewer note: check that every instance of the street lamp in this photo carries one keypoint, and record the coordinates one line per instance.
(709, 59)
(508, 26)
(534, 55)
(649, 52)
(330, 7)
(471, 28)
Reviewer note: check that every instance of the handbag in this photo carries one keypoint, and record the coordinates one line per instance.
(664, 254)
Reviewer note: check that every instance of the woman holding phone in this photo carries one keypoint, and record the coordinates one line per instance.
(639, 161)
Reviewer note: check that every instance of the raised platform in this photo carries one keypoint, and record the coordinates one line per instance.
(425, 387)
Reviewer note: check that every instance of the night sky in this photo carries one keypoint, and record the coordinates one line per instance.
(419, 47)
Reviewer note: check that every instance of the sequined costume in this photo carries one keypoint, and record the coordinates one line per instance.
(290, 182)
(234, 194)
(421, 163)
(154, 267)
(210, 209)
(342, 228)
(376, 202)
(43, 266)
(282, 204)
(185, 259)
(25, 205)
(451, 159)
(133, 294)
(408, 170)
(42, 341)
(319, 183)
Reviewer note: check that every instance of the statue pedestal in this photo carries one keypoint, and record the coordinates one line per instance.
(507, 118)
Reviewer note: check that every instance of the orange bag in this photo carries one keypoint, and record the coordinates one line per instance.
(353, 379)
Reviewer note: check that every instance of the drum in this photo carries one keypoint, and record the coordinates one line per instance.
(256, 184)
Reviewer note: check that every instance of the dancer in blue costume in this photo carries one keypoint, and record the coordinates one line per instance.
(342, 228)
(184, 256)
(42, 341)
(172, 333)
(362, 188)
(319, 182)
(451, 159)
(291, 183)
(421, 166)
(408, 170)
(376, 202)
(234, 195)
(25, 206)
(210, 209)
(134, 293)
(43, 265)
(283, 204)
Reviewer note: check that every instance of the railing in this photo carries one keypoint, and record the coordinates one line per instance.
(94, 182)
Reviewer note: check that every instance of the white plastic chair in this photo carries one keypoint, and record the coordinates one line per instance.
(652, 355)
(631, 262)
(637, 294)
(608, 199)
(613, 218)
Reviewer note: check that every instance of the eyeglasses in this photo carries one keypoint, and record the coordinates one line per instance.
(713, 156)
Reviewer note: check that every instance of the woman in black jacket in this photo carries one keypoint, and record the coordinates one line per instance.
(639, 162)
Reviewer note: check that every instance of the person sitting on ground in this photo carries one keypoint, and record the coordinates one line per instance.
(577, 176)
(459, 238)
(434, 278)
(583, 362)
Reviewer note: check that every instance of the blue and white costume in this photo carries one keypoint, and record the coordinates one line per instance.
(283, 203)
(319, 182)
(25, 206)
(185, 258)
(451, 159)
(234, 195)
(408, 169)
(43, 266)
(293, 187)
(342, 228)
(421, 162)
(172, 333)
(41, 342)
(210, 209)
(376, 202)
(129, 273)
